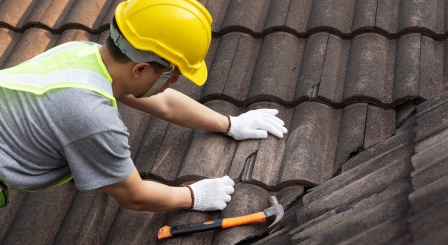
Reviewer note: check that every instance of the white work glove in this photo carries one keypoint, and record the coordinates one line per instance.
(256, 124)
(212, 194)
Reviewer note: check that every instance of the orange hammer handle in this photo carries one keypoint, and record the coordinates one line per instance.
(179, 230)
(244, 220)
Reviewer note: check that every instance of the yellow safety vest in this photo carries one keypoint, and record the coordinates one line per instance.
(70, 65)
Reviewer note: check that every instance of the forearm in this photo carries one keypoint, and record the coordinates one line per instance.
(177, 108)
(137, 194)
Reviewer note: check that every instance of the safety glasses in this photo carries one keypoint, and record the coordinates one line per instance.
(162, 81)
(4, 195)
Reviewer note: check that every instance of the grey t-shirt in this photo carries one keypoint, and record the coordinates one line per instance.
(45, 137)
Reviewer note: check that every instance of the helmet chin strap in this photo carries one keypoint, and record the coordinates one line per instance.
(134, 54)
(157, 85)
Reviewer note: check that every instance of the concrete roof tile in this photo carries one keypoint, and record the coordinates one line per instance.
(429, 195)
(8, 39)
(277, 14)
(279, 60)
(431, 67)
(384, 233)
(247, 199)
(426, 175)
(430, 221)
(422, 14)
(209, 154)
(41, 222)
(31, 43)
(336, 15)
(218, 10)
(89, 218)
(238, 12)
(298, 14)
(310, 73)
(370, 69)
(387, 15)
(351, 133)
(169, 157)
(375, 183)
(364, 17)
(331, 86)
(49, 13)
(88, 13)
(267, 161)
(138, 227)
(311, 144)
(431, 154)
(9, 212)
(14, 13)
(354, 225)
(389, 157)
(407, 66)
(232, 67)
(380, 125)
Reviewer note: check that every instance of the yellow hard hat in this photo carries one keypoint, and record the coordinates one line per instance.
(178, 31)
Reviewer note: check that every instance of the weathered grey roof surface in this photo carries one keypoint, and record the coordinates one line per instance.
(359, 84)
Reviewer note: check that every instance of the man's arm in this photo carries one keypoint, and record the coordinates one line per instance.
(177, 108)
(137, 194)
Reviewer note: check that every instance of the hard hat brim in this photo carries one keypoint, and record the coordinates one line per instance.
(199, 77)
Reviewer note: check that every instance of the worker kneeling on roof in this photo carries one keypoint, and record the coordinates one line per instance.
(59, 117)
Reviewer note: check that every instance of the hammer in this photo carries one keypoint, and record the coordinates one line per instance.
(273, 213)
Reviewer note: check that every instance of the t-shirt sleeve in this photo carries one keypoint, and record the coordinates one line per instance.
(100, 159)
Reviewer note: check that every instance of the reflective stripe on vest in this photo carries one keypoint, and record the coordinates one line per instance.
(70, 65)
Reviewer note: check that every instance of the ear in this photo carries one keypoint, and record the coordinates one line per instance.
(139, 68)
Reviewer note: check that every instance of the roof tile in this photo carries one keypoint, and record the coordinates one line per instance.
(364, 15)
(422, 14)
(247, 199)
(8, 39)
(14, 13)
(209, 154)
(429, 173)
(331, 87)
(232, 68)
(351, 132)
(298, 14)
(370, 68)
(42, 221)
(311, 144)
(88, 13)
(387, 15)
(310, 74)
(279, 60)
(334, 14)
(9, 212)
(133, 227)
(408, 64)
(353, 225)
(429, 195)
(31, 43)
(430, 221)
(238, 12)
(431, 67)
(380, 125)
(49, 13)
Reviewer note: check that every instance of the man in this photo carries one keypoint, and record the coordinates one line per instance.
(58, 116)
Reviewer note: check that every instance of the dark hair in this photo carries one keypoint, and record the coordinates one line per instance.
(119, 57)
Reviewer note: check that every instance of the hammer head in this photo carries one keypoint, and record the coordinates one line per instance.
(274, 213)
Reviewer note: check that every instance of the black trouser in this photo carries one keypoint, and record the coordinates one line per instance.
(4, 195)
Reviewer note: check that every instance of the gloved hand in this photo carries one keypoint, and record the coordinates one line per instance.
(212, 194)
(256, 124)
